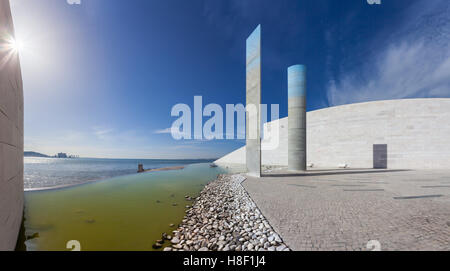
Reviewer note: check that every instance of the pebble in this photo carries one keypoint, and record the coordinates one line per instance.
(177, 246)
(157, 245)
(224, 218)
(281, 248)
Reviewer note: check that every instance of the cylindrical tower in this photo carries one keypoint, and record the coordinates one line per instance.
(297, 118)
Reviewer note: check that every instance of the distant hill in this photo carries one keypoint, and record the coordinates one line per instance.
(34, 154)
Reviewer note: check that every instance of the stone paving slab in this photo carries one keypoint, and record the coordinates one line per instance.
(334, 212)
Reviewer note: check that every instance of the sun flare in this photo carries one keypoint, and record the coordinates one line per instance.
(15, 45)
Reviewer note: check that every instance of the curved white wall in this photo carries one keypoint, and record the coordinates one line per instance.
(416, 131)
(11, 136)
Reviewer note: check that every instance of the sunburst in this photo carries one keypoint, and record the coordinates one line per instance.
(14, 45)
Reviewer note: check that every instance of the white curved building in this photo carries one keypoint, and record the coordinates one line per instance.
(11, 134)
(398, 134)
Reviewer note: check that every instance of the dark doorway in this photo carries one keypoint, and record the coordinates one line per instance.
(380, 155)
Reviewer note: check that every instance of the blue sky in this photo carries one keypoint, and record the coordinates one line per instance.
(100, 78)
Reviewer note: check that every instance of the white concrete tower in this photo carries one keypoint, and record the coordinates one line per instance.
(253, 95)
(297, 118)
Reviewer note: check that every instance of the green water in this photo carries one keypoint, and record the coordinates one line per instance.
(123, 213)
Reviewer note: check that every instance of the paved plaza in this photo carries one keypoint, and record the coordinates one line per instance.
(344, 209)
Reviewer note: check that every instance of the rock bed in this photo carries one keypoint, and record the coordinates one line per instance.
(224, 218)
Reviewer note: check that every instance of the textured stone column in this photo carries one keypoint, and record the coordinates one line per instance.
(253, 116)
(11, 134)
(297, 118)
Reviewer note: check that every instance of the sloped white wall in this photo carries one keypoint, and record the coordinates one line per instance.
(416, 131)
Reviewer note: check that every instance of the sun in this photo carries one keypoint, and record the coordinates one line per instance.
(15, 45)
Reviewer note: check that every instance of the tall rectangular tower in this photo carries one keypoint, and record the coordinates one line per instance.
(253, 118)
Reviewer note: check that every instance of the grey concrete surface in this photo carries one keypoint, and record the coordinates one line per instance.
(11, 134)
(253, 117)
(297, 117)
(344, 210)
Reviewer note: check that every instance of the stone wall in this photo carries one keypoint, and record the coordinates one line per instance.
(414, 131)
(11, 134)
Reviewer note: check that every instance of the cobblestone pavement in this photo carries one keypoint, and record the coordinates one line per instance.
(403, 210)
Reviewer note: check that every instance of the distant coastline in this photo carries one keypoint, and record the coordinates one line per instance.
(34, 154)
(41, 155)
(37, 154)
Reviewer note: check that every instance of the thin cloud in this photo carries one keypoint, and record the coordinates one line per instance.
(416, 64)
(163, 131)
(102, 133)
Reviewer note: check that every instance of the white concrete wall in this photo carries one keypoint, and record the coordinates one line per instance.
(417, 132)
(11, 137)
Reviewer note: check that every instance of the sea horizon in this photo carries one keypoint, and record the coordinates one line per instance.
(42, 173)
(122, 158)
